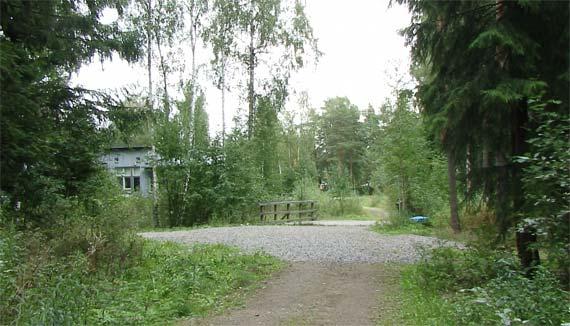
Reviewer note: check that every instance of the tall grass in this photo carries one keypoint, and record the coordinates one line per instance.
(480, 286)
(167, 281)
(330, 204)
(87, 266)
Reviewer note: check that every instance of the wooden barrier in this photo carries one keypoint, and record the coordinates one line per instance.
(284, 211)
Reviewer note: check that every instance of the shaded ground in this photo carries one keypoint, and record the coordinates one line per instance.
(319, 294)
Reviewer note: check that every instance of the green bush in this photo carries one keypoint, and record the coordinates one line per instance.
(46, 271)
(174, 281)
(452, 269)
(165, 282)
(478, 286)
(37, 287)
(514, 299)
(376, 200)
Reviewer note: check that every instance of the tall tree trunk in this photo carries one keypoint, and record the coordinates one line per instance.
(503, 210)
(166, 100)
(452, 176)
(223, 84)
(155, 220)
(525, 235)
(250, 85)
(352, 174)
(193, 77)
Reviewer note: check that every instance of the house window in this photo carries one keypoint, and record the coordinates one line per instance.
(128, 183)
(116, 160)
(138, 159)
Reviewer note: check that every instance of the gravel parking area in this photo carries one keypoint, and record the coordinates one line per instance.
(325, 244)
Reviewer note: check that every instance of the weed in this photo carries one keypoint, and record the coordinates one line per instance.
(479, 286)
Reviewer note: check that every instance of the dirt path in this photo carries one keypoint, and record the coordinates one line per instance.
(377, 213)
(318, 294)
(337, 275)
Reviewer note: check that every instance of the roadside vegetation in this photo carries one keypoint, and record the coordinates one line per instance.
(499, 115)
(92, 268)
(478, 144)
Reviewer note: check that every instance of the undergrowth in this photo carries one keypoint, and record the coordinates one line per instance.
(165, 282)
(479, 286)
(174, 281)
(82, 263)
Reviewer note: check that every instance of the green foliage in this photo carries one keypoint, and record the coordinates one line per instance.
(305, 189)
(50, 131)
(451, 269)
(266, 138)
(401, 225)
(246, 31)
(484, 61)
(165, 282)
(514, 299)
(89, 267)
(479, 286)
(546, 183)
(340, 142)
(408, 168)
(47, 274)
(174, 281)
(423, 306)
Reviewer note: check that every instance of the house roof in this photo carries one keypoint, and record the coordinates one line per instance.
(123, 145)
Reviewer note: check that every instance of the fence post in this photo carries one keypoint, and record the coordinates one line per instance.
(311, 214)
(275, 212)
(288, 210)
(261, 215)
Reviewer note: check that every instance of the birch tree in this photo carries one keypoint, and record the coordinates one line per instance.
(275, 32)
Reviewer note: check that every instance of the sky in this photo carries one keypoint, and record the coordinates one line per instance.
(362, 50)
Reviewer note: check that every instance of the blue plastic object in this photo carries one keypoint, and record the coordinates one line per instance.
(419, 219)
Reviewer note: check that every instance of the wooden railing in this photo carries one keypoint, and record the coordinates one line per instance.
(290, 210)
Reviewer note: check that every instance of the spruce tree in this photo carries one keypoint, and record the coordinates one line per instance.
(486, 60)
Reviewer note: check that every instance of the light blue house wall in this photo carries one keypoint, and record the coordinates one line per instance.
(132, 167)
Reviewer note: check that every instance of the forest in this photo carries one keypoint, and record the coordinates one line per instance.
(479, 143)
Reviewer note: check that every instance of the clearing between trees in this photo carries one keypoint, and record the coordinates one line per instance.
(337, 275)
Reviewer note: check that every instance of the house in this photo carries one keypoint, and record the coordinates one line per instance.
(132, 165)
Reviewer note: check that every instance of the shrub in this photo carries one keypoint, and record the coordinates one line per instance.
(174, 281)
(452, 269)
(479, 286)
(514, 299)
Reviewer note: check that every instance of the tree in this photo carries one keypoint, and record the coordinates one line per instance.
(486, 60)
(251, 30)
(50, 133)
(408, 169)
(370, 134)
(340, 142)
(162, 21)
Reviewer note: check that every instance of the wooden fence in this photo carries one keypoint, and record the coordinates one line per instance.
(291, 210)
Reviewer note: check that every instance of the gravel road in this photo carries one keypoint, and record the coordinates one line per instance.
(322, 244)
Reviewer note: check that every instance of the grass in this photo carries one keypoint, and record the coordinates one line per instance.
(166, 282)
(405, 228)
(420, 305)
(175, 281)
(352, 217)
(377, 201)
